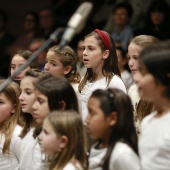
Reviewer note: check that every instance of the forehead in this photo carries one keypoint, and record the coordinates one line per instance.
(91, 41)
(51, 56)
(134, 48)
(18, 59)
(27, 82)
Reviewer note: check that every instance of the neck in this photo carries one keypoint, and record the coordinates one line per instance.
(162, 107)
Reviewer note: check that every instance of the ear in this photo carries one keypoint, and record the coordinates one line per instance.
(106, 54)
(63, 142)
(13, 109)
(112, 118)
(67, 69)
(62, 104)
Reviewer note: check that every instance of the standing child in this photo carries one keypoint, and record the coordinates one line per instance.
(100, 58)
(62, 62)
(9, 129)
(51, 93)
(153, 81)
(62, 132)
(110, 123)
(141, 107)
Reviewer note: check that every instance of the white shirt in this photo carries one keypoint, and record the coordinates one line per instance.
(31, 156)
(70, 166)
(11, 161)
(154, 143)
(122, 158)
(88, 89)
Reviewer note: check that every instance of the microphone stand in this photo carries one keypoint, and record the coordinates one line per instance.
(52, 38)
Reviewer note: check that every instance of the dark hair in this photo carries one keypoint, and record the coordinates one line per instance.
(4, 16)
(123, 130)
(161, 6)
(127, 6)
(123, 54)
(57, 89)
(156, 59)
(34, 14)
(26, 54)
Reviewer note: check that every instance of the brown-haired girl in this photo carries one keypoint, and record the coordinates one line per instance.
(100, 58)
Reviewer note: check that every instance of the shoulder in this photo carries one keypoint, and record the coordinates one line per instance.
(117, 82)
(124, 153)
(16, 132)
(147, 119)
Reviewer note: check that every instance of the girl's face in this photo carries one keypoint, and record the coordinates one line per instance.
(27, 96)
(6, 108)
(98, 125)
(93, 57)
(133, 53)
(54, 65)
(147, 86)
(16, 62)
(49, 141)
(40, 107)
(157, 17)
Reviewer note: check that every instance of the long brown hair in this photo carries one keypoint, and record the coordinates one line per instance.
(12, 92)
(69, 124)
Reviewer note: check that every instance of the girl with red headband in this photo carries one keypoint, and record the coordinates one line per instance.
(100, 59)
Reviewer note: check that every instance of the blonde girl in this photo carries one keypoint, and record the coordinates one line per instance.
(63, 139)
(141, 107)
(9, 129)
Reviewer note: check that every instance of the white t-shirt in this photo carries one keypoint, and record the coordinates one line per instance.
(122, 158)
(88, 89)
(154, 143)
(11, 161)
(31, 156)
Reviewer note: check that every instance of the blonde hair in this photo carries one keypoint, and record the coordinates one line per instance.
(144, 107)
(12, 92)
(144, 40)
(68, 58)
(69, 123)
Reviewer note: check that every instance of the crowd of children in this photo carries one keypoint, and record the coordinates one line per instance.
(59, 120)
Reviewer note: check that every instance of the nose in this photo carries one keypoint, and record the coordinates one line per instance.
(87, 119)
(84, 52)
(46, 67)
(34, 106)
(21, 97)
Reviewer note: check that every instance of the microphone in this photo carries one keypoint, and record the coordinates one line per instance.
(76, 23)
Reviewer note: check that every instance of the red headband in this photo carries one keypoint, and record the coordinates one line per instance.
(104, 38)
